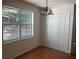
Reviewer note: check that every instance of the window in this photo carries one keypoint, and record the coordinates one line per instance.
(17, 24)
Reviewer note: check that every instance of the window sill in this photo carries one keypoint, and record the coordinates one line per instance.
(16, 40)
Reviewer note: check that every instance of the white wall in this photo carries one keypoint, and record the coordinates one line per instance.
(14, 49)
(49, 30)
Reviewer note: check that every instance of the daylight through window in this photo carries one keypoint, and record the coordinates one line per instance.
(17, 24)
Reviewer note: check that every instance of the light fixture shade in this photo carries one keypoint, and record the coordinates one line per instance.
(50, 12)
(45, 10)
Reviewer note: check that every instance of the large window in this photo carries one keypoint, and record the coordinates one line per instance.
(17, 24)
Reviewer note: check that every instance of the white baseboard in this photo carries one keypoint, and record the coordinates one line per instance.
(25, 51)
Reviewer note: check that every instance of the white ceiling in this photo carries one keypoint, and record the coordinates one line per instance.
(51, 3)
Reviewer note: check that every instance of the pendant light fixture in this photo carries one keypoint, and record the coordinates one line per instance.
(46, 10)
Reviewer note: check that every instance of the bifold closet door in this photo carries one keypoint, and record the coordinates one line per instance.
(57, 27)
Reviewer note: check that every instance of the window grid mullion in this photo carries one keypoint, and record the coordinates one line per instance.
(19, 24)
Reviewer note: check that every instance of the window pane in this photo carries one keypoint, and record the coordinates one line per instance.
(26, 17)
(10, 32)
(6, 34)
(26, 30)
(10, 16)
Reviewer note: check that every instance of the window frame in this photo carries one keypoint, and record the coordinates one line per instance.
(20, 38)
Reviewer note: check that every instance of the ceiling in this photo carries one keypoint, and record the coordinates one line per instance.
(51, 3)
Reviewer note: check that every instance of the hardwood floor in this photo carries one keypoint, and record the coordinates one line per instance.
(45, 53)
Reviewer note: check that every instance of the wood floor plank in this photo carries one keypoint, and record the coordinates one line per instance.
(45, 53)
